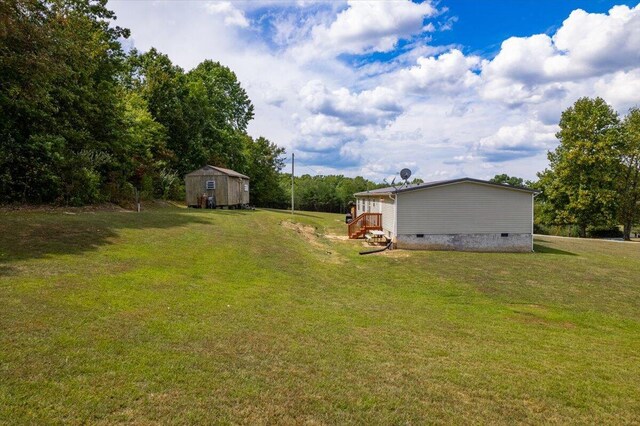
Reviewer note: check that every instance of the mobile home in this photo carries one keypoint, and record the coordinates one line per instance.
(459, 214)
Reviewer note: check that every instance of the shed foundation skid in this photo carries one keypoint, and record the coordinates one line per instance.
(467, 242)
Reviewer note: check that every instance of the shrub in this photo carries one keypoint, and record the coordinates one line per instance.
(606, 232)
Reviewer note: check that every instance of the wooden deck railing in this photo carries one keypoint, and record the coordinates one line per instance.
(363, 223)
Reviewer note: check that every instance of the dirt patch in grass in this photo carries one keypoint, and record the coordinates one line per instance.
(308, 233)
(337, 237)
(305, 231)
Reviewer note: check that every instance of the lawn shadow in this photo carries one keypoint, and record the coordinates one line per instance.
(6, 271)
(289, 213)
(541, 248)
(35, 235)
(229, 212)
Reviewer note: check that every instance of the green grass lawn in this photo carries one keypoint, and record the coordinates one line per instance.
(176, 316)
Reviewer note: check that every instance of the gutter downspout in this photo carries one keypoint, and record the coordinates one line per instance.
(394, 197)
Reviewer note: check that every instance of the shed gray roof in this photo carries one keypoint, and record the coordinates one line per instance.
(205, 169)
(426, 185)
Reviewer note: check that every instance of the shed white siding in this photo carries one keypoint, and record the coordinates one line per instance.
(464, 208)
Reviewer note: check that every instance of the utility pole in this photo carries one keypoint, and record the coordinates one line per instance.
(293, 164)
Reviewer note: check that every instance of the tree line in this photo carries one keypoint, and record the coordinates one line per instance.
(327, 193)
(82, 121)
(592, 183)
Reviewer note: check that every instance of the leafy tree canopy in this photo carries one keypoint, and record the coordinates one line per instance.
(580, 185)
(508, 180)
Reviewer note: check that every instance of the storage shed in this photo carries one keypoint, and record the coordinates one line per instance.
(213, 187)
(459, 214)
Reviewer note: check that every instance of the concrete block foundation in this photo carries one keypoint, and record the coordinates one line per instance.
(467, 242)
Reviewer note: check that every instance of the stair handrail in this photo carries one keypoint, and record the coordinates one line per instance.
(355, 222)
(364, 221)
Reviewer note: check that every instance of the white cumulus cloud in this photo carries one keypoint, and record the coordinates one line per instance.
(451, 71)
(231, 15)
(368, 26)
(376, 106)
(587, 45)
(511, 142)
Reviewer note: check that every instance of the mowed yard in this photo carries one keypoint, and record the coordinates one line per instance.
(176, 316)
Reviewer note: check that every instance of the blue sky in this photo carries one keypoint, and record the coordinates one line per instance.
(481, 26)
(448, 88)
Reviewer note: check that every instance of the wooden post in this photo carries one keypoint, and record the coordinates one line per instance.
(137, 199)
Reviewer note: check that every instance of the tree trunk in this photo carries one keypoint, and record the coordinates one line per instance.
(626, 232)
(582, 231)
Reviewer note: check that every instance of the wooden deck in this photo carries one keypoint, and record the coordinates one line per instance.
(359, 226)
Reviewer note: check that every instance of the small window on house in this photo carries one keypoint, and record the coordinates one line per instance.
(246, 188)
(420, 235)
(504, 234)
(211, 184)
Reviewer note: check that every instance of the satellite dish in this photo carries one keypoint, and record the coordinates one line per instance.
(405, 174)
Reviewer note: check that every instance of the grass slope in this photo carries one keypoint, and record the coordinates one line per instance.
(176, 316)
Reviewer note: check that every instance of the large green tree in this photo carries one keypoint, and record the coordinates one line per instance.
(264, 162)
(205, 112)
(580, 186)
(222, 112)
(629, 181)
(163, 86)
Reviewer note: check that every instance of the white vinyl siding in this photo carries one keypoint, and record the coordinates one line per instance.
(464, 208)
(388, 216)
